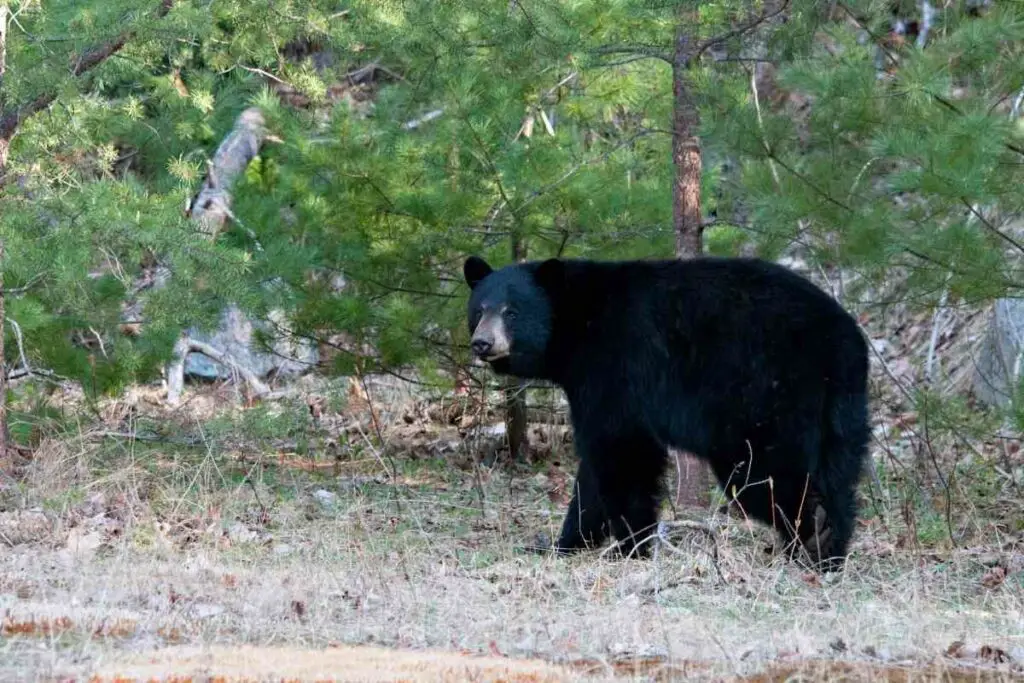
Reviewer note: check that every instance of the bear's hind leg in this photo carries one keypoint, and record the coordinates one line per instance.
(832, 510)
(818, 519)
(827, 540)
(782, 500)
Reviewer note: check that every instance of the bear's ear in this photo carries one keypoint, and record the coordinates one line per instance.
(550, 275)
(474, 270)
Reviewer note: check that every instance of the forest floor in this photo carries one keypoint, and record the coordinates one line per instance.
(128, 552)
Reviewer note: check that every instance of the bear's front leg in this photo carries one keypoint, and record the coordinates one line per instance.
(628, 469)
(586, 523)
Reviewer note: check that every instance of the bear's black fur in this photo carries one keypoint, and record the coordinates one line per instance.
(739, 361)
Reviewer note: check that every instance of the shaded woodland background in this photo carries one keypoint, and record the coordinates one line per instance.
(231, 238)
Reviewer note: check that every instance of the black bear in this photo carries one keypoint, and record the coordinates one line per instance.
(741, 362)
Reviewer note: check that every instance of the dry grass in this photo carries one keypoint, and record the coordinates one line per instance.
(441, 574)
(146, 561)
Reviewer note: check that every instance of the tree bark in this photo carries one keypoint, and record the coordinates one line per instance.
(686, 154)
(694, 475)
(4, 18)
(5, 13)
(515, 390)
(3, 362)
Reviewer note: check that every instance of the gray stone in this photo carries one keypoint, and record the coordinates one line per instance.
(325, 498)
(1001, 356)
(236, 338)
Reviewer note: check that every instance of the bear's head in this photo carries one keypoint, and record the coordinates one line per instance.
(511, 314)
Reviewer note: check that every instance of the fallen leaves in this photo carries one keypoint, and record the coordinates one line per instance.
(833, 670)
(48, 627)
(24, 526)
(811, 579)
(30, 627)
(369, 663)
(988, 654)
(994, 577)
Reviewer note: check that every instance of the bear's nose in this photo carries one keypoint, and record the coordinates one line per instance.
(480, 346)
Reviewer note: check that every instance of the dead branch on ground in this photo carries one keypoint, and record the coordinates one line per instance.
(211, 208)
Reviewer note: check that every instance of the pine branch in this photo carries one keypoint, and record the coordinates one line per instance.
(880, 44)
(89, 59)
(988, 225)
(749, 24)
(640, 51)
(576, 168)
(956, 110)
(811, 184)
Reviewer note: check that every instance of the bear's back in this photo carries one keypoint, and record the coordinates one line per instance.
(675, 318)
(706, 286)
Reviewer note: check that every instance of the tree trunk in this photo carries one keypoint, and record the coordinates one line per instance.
(4, 16)
(694, 476)
(686, 156)
(3, 362)
(515, 390)
(5, 13)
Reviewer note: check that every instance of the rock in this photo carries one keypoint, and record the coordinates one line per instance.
(882, 347)
(84, 542)
(204, 610)
(240, 533)
(235, 337)
(1001, 356)
(325, 498)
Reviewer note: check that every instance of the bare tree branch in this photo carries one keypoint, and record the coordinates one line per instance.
(420, 120)
(928, 14)
(257, 385)
(211, 205)
(21, 344)
(988, 225)
(210, 208)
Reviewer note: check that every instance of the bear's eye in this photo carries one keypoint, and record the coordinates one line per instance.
(510, 314)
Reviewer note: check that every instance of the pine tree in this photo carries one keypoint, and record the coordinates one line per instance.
(505, 132)
(103, 128)
(896, 161)
(911, 168)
